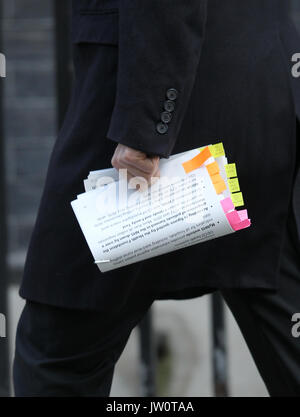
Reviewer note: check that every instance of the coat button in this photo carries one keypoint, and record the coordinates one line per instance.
(161, 127)
(166, 116)
(169, 105)
(172, 93)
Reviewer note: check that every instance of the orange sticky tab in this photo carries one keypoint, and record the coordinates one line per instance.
(220, 186)
(216, 178)
(197, 161)
(213, 168)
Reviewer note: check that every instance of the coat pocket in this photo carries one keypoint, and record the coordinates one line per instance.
(96, 26)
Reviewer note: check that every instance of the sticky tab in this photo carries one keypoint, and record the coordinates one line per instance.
(243, 214)
(220, 186)
(233, 217)
(233, 185)
(213, 168)
(216, 178)
(197, 161)
(217, 150)
(242, 225)
(230, 170)
(227, 204)
(237, 199)
(235, 221)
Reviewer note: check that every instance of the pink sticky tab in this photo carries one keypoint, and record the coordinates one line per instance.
(233, 218)
(243, 214)
(242, 225)
(227, 204)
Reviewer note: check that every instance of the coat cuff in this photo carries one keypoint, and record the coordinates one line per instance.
(151, 128)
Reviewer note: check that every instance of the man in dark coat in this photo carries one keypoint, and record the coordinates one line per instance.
(154, 78)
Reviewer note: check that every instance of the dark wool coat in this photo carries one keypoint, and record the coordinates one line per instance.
(230, 62)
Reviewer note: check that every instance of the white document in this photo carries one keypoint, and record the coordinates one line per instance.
(123, 226)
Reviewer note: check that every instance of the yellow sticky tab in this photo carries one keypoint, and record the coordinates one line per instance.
(213, 168)
(237, 199)
(230, 170)
(217, 150)
(233, 185)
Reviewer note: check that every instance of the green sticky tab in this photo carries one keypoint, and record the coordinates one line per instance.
(233, 185)
(230, 170)
(217, 150)
(237, 199)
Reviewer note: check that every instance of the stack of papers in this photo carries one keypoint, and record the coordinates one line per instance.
(194, 200)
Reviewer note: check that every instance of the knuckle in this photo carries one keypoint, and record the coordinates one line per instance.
(115, 161)
(127, 155)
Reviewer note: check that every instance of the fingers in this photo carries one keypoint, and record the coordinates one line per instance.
(136, 159)
(137, 163)
(135, 172)
(145, 164)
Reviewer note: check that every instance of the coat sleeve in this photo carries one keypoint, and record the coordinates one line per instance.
(160, 43)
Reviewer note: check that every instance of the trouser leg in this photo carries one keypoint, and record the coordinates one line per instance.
(61, 352)
(264, 318)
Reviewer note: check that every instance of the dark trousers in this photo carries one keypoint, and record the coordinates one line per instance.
(265, 320)
(62, 352)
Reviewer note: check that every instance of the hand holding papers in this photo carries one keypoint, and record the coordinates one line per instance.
(193, 201)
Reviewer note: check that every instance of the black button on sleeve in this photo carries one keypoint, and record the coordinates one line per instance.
(172, 94)
(161, 127)
(169, 105)
(166, 117)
